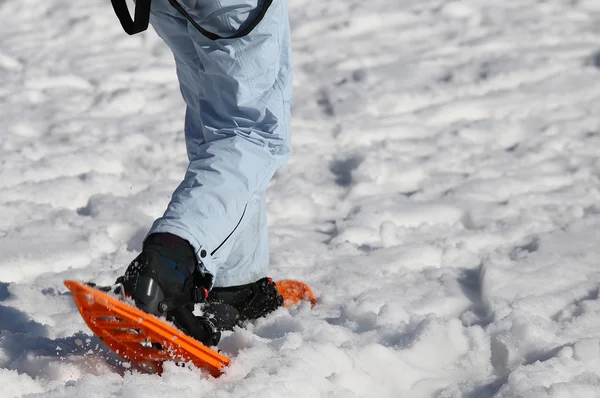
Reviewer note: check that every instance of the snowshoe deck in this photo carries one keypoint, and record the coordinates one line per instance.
(138, 336)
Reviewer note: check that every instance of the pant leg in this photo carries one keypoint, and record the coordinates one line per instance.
(237, 129)
(246, 257)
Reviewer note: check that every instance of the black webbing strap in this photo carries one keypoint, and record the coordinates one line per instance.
(213, 36)
(195, 295)
(141, 15)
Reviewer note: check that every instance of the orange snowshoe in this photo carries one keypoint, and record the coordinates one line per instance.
(148, 341)
(294, 292)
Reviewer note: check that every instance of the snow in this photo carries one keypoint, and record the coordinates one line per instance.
(442, 200)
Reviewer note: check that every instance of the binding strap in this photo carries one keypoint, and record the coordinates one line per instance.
(141, 19)
(196, 295)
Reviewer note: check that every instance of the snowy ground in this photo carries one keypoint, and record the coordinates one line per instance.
(443, 200)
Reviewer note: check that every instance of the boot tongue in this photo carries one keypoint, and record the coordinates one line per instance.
(169, 240)
(173, 248)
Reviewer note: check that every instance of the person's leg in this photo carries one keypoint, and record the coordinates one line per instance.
(238, 94)
(237, 126)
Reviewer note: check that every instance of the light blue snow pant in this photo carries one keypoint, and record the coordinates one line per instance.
(237, 130)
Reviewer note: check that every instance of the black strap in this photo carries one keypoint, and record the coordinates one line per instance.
(141, 19)
(213, 36)
(196, 295)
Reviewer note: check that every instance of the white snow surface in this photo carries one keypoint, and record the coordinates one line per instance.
(442, 200)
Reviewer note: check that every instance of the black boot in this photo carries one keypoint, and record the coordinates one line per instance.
(161, 282)
(231, 306)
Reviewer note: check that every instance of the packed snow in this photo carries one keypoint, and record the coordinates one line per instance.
(442, 200)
